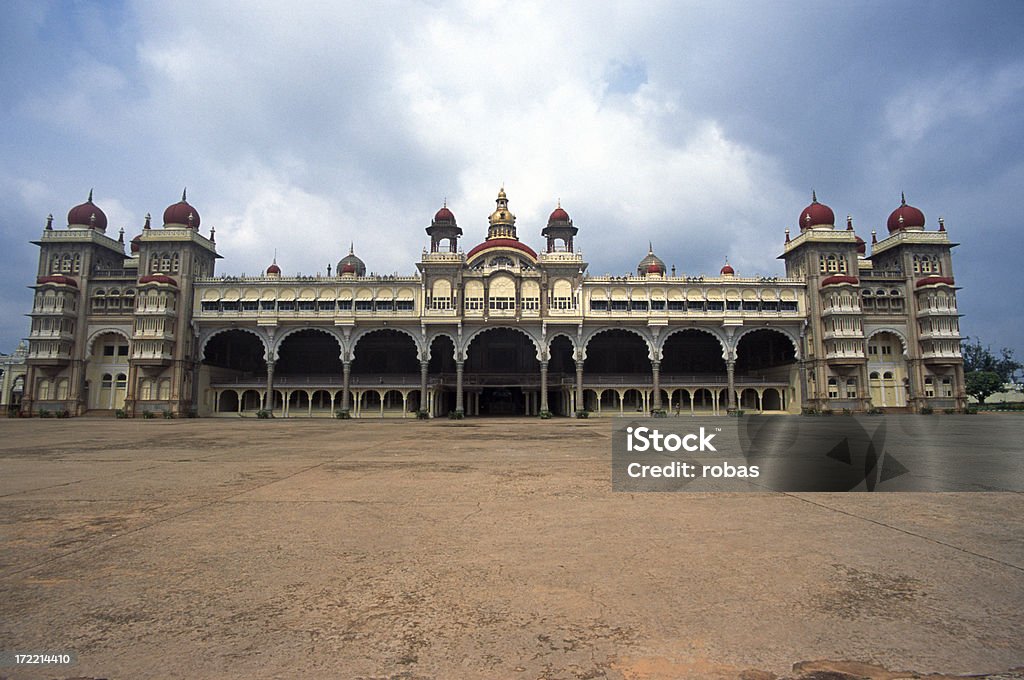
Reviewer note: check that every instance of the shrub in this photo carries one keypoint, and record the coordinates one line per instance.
(168, 415)
(927, 410)
(343, 414)
(847, 412)
(192, 413)
(971, 411)
(456, 415)
(874, 411)
(659, 413)
(545, 415)
(43, 413)
(826, 411)
(949, 411)
(148, 415)
(263, 414)
(64, 413)
(422, 415)
(736, 413)
(582, 413)
(120, 413)
(808, 411)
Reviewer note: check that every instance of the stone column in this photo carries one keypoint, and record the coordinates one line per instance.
(580, 403)
(458, 386)
(268, 398)
(656, 375)
(346, 374)
(424, 365)
(544, 386)
(730, 372)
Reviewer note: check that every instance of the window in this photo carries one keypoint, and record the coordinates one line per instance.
(531, 303)
(404, 305)
(250, 306)
(501, 303)
(833, 388)
(108, 350)
(698, 305)
(108, 381)
(266, 305)
(751, 307)
(364, 305)
(733, 305)
(639, 305)
(657, 305)
(325, 306)
(947, 387)
(770, 306)
(385, 305)
(212, 306)
(929, 387)
(886, 350)
(122, 381)
(676, 305)
(474, 303)
(229, 306)
(345, 305)
(620, 305)
(122, 350)
(286, 306)
(599, 305)
(562, 303)
(851, 388)
(307, 305)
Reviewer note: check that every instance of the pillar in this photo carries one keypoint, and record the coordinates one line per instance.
(580, 403)
(268, 398)
(346, 374)
(730, 372)
(423, 385)
(656, 375)
(543, 386)
(459, 365)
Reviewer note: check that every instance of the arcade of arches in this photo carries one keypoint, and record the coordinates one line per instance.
(496, 371)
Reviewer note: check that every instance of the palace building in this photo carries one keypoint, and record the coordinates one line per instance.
(496, 329)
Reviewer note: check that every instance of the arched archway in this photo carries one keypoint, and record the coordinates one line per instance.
(617, 352)
(308, 352)
(887, 370)
(561, 371)
(502, 373)
(765, 353)
(235, 353)
(385, 355)
(691, 352)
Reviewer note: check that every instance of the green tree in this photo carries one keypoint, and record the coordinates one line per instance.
(978, 357)
(982, 384)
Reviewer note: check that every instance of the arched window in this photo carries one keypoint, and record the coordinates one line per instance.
(833, 388)
(887, 375)
(108, 381)
(65, 264)
(175, 264)
(122, 381)
(165, 262)
(77, 266)
(874, 375)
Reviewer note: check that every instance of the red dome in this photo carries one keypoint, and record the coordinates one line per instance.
(653, 268)
(159, 278)
(182, 213)
(89, 215)
(348, 268)
(816, 214)
(862, 248)
(727, 269)
(136, 243)
(444, 215)
(559, 215)
(839, 278)
(912, 217)
(274, 269)
(57, 278)
(502, 243)
(934, 280)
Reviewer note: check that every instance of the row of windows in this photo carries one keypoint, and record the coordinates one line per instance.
(945, 386)
(850, 388)
(943, 324)
(48, 325)
(693, 306)
(166, 263)
(927, 264)
(49, 301)
(309, 306)
(832, 264)
(66, 264)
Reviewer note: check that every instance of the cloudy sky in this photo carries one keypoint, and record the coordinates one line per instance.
(702, 127)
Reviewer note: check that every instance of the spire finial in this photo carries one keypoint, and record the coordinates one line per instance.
(120, 235)
(787, 234)
(650, 248)
(559, 202)
(352, 248)
(213, 235)
(942, 224)
(49, 222)
(874, 237)
(275, 255)
(814, 196)
(445, 202)
(849, 223)
(148, 218)
(90, 196)
(183, 192)
(903, 198)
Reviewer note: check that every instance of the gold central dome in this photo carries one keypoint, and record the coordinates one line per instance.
(502, 221)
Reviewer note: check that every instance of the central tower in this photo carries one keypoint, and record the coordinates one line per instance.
(502, 222)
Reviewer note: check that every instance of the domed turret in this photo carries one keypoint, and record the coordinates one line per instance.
(651, 264)
(817, 215)
(135, 244)
(351, 265)
(444, 228)
(560, 228)
(273, 270)
(727, 270)
(905, 217)
(87, 216)
(502, 221)
(181, 214)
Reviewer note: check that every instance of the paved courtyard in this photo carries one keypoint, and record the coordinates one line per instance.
(223, 548)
